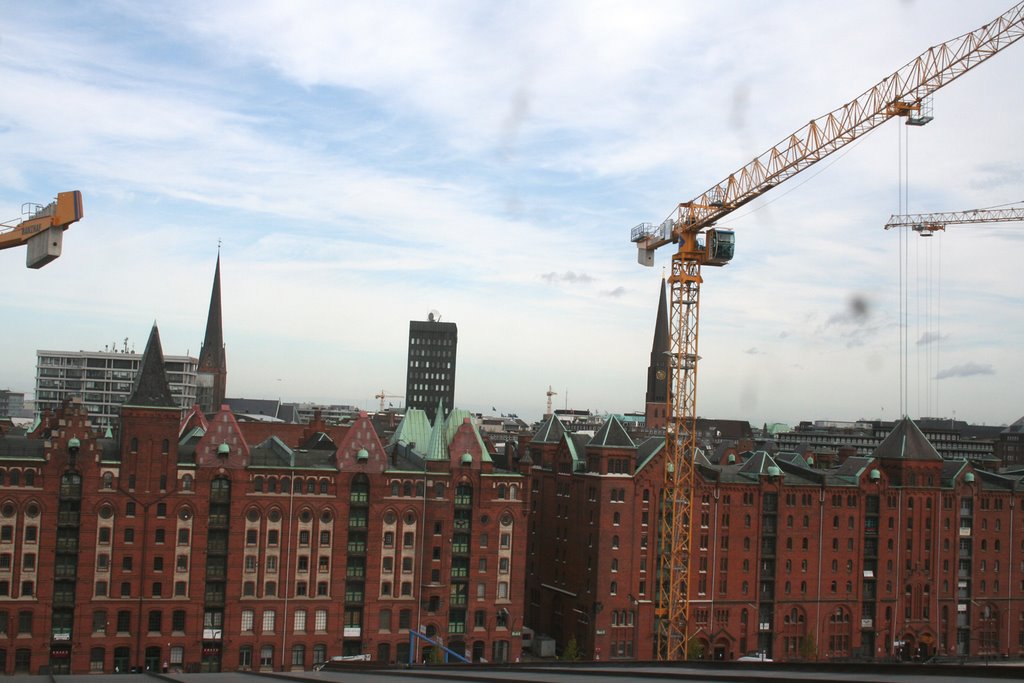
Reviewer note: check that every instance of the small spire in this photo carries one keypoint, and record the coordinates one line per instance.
(151, 388)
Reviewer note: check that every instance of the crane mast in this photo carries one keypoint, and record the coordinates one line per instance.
(926, 224)
(904, 93)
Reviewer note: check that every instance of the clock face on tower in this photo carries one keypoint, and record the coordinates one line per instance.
(660, 374)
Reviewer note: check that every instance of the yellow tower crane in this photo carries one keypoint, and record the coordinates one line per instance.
(904, 93)
(43, 230)
(927, 224)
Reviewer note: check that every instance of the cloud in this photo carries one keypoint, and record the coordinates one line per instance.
(568, 277)
(966, 370)
(752, 351)
(931, 338)
(615, 293)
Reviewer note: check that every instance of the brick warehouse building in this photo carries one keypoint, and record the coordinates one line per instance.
(899, 554)
(204, 543)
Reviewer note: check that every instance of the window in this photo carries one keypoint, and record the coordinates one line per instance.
(129, 535)
(298, 655)
(267, 656)
(124, 621)
(247, 620)
(104, 535)
(300, 621)
(177, 655)
(178, 621)
(320, 620)
(158, 564)
(183, 536)
(268, 620)
(101, 589)
(24, 623)
(156, 618)
(385, 620)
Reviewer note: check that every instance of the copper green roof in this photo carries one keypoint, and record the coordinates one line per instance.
(612, 435)
(413, 429)
(437, 447)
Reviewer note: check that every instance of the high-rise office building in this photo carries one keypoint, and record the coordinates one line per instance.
(430, 379)
(103, 379)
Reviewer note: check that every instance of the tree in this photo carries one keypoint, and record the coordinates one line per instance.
(808, 648)
(571, 653)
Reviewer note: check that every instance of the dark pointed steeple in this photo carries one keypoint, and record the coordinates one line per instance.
(657, 372)
(151, 389)
(212, 373)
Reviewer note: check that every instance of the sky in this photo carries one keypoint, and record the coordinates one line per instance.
(361, 164)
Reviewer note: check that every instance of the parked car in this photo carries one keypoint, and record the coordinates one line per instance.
(338, 659)
(755, 657)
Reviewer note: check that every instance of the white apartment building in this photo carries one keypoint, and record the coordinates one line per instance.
(103, 380)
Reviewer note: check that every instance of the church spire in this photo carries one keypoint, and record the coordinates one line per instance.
(657, 372)
(212, 373)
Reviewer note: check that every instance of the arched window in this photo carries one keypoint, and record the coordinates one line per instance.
(30, 479)
(186, 482)
(311, 486)
(394, 488)
(297, 485)
(272, 485)
(15, 477)
(501, 491)
(615, 542)
(419, 489)
(257, 484)
(134, 444)
(165, 447)
(323, 486)
(407, 489)
(108, 480)
(512, 492)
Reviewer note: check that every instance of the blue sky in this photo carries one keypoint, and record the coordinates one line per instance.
(364, 163)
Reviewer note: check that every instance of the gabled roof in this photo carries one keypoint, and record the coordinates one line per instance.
(413, 429)
(151, 389)
(319, 441)
(1016, 428)
(612, 435)
(757, 465)
(647, 449)
(551, 431)
(906, 442)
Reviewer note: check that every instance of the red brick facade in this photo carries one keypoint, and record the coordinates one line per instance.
(192, 546)
(897, 555)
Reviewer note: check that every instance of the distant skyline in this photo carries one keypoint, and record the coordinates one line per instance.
(362, 165)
